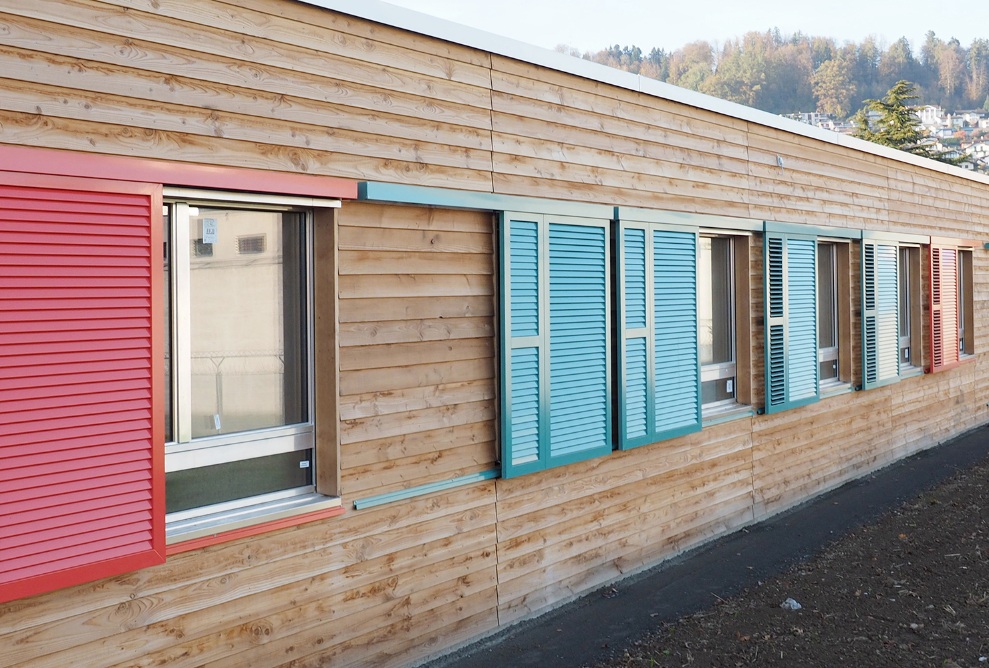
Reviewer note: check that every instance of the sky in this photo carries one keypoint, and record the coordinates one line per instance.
(670, 24)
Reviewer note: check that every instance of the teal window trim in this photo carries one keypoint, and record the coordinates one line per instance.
(556, 341)
(395, 193)
(689, 220)
(422, 490)
(797, 230)
(655, 401)
(880, 267)
(791, 352)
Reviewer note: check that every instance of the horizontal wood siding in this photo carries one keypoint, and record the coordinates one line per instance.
(286, 86)
(417, 351)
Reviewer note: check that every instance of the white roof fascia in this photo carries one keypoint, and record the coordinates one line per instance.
(431, 26)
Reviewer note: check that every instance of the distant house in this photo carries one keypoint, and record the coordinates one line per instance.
(931, 116)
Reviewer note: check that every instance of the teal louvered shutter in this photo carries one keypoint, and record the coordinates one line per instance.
(676, 368)
(579, 369)
(635, 397)
(660, 393)
(523, 423)
(555, 334)
(880, 314)
(790, 302)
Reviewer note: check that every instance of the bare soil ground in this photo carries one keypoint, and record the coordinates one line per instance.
(909, 590)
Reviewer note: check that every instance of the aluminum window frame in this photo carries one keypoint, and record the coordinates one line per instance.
(185, 452)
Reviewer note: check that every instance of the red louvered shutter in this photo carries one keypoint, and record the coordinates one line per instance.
(81, 457)
(944, 307)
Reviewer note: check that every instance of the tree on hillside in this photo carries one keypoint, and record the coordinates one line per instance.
(895, 123)
(833, 88)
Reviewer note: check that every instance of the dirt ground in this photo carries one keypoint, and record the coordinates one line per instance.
(909, 590)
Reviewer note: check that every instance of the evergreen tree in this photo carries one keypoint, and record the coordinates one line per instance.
(895, 123)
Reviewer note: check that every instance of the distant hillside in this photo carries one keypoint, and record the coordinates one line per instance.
(785, 74)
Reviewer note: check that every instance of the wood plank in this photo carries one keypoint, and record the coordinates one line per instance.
(686, 166)
(554, 526)
(146, 624)
(356, 114)
(417, 285)
(89, 137)
(512, 120)
(363, 381)
(384, 262)
(512, 184)
(551, 586)
(595, 475)
(441, 466)
(415, 241)
(370, 215)
(275, 634)
(392, 448)
(360, 29)
(168, 60)
(211, 572)
(407, 331)
(92, 15)
(239, 19)
(61, 102)
(420, 352)
(384, 309)
(425, 419)
(398, 644)
(415, 398)
(577, 93)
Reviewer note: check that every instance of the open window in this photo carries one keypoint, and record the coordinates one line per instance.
(808, 313)
(951, 303)
(239, 422)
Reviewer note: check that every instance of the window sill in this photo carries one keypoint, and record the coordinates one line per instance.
(834, 389)
(177, 532)
(911, 371)
(726, 414)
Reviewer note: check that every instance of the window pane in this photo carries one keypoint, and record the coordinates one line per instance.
(715, 297)
(207, 485)
(722, 389)
(247, 321)
(166, 259)
(827, 322)
(905, 271)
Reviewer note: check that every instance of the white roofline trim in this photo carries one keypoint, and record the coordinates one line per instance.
(431, 26)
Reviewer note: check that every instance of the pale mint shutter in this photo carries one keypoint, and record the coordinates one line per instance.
(555, 338)
(677, 371)
(522, 398)
(790, 296)
(880, 314)
(579, 388)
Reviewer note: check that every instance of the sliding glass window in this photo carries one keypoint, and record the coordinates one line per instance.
(239, 427)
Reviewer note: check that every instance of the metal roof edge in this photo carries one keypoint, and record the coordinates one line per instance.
(431, 26)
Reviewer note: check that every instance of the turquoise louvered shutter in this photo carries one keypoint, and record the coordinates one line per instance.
(579, 309)
(790, 302)
(523, 423)
(676, 368)
(555, 334)
(880, 314)
(660, 393)
(635, 398)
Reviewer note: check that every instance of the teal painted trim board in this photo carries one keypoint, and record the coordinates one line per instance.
(412, 492)
(371, 191)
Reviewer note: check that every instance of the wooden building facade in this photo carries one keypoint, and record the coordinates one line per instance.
(446, 331)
